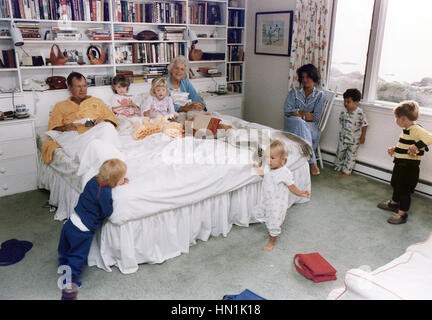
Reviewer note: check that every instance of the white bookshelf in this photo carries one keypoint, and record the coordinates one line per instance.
(216, 41)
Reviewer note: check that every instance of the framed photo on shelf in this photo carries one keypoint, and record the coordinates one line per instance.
(273, 33)
(213, 14)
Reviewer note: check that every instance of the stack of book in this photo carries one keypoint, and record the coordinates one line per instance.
(9, 58)
(156, 12)
(236, 18)
(127, 73)
(234, 72)
(234, 87)
(155, 72)
(65, 33)
(235, 53)
(29, 31)
(197, 13)
(76, 10)
(98, 33)
(4, 9)
(4, 33)
(173, 33)
(123, 33)
(235, 35)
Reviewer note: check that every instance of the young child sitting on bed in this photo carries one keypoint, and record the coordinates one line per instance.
(122, 103)
(159, 103)
(277, 184)
(94, 205)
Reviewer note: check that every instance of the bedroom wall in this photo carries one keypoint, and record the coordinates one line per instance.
(266, 83)
(266, 77)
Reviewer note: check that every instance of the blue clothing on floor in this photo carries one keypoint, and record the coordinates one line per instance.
(186, 86)
(309, 131)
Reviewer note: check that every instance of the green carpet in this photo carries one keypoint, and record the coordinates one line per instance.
(341, 222)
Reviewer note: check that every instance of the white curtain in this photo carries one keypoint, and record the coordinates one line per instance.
(310, 40)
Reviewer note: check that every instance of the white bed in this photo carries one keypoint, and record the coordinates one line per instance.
(166, 207)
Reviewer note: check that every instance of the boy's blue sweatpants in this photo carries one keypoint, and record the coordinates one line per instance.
(73, 248)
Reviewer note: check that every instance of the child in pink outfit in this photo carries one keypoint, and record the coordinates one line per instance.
(121, 102)
(159, 103)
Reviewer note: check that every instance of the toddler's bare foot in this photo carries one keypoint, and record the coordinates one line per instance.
(270, 244)
(344, 175)
(314, 169)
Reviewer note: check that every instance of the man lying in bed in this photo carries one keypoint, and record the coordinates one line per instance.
(66, 114)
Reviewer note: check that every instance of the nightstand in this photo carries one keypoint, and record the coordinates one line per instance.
(229, 104)
(18, 160)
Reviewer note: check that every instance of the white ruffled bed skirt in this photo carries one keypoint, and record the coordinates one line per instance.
(167, 234)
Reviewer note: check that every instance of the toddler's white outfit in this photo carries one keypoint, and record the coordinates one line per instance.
(274, 199)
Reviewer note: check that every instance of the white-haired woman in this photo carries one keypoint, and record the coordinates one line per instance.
(178, 83)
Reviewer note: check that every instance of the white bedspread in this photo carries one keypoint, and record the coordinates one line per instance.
(165, 173)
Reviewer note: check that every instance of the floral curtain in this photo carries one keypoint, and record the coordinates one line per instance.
(311, 31)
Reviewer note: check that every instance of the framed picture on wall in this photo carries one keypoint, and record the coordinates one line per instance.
(273, 33)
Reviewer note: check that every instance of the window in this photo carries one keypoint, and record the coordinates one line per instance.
(383, 48)
(350, 44)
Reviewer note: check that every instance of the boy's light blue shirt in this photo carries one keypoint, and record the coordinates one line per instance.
(186, 86)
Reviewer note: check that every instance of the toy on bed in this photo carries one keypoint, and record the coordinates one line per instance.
(204, 123)
(159, 124)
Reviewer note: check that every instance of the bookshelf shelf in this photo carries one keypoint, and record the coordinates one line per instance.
(65, 41)
(207, 25)
(69, 66)
(211, 39)
(8, 69)
(150, 41)
(61, 22)
(206, 61)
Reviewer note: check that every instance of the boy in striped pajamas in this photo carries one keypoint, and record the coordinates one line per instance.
(352, 134)
(412, 144)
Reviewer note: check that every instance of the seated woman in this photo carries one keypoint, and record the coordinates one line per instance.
(178, 84)
(303, 107)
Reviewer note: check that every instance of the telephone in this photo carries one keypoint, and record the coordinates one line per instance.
(56, 82)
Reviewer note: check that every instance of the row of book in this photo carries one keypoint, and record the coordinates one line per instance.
(205, 13)
(8, 59)
(236, 18)
(123, 33)
(155, 71)
(173, 33)
(156, 12)
(235, 87)
(76, 10)
(235, 53)
(235, 35)
(29, 31)
(148, 52)
(234, 72)
(99, 33)
(4, 9)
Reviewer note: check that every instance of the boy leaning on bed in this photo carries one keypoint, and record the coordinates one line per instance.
(412, 144)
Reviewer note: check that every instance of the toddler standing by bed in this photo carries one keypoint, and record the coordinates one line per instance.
(122, 103)
(277, 185)
(159, 103)
(94, 205)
